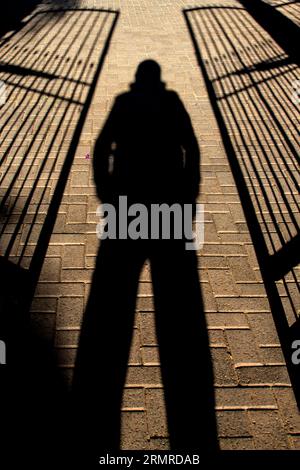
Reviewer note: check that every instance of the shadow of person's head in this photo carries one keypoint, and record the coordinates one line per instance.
(148, 76)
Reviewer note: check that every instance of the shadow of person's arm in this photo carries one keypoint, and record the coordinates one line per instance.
(191, 155)
(103, 150)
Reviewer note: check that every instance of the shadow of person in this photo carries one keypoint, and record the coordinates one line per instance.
(155, 154)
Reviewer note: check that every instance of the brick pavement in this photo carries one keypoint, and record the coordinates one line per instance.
(255, 405)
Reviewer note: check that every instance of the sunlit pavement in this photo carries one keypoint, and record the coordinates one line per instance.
(62, 71)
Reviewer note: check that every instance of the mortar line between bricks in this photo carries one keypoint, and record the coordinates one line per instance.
(244, 296)
(246, 408)
(258, 364)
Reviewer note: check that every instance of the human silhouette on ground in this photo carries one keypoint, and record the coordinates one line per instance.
(149, 136)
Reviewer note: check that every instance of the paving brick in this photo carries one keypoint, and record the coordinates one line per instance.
(237, 444)
(242, 345)
(295, 442)
(263, 375)
(243, 304)
(233, 424)
(66, 356)
(268, 430)
(252, 260)
(245, 397)
(250, 288)
(77, 214)
(145, 273)
(43, 305)
(60, 223)
(133, 398)
(51, 270)
(237, 212)
(235, 238)
(145, 304)
(159, 443)
(91, 243)
(271, 355)
(241, 269)
(145, 288)
(225, 320)
(147, 375)
(66, 337)
(81, 228)
(135, 356)
(69, 312)
(217, 337)
(263, 328)
(156, 414)
(134, 432)
(44, 325)
(73, 256)
(230, 250)
(222, 282)
(80, 179)
(76, 275)
(147, 325)
(224, 223)
(288, 409)
(224, 373)
(211, 235)
(225, 178)
(61, 289)
(225, 198)
(150, 355)
(212, 261)
(208, 298)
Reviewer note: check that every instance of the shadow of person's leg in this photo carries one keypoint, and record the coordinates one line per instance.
(104, 344)
(185, 358)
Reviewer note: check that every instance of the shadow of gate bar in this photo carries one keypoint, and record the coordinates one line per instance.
(249, 78)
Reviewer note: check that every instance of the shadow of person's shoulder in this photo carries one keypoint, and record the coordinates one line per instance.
(172, 93)
(123, 100)
(124, 96)
(173, 96)
(136, 92)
